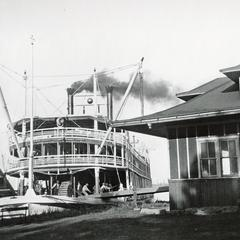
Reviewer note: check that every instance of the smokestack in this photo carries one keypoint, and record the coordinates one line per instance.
(109, 90)
(70, 108)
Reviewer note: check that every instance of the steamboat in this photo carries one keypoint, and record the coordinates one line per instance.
(65, 149)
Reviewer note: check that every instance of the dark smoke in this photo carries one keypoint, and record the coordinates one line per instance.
(153, 90)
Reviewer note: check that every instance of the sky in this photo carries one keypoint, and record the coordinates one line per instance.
(184, 43)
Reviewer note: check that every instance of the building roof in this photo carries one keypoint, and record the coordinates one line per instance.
(219, 97)
(201, 89)
(232, 73)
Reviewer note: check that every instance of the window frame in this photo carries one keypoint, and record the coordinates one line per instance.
(219, 162)
(229, 156)
(208, 158)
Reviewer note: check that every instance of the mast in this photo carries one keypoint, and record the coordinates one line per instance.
(25, 107)
(95, 99)
(96, 169)
(31, 156)
(24, 130)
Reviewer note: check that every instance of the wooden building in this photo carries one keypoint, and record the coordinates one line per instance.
(204, 148)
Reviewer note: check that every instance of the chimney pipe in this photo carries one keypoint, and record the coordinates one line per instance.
(70, 95)
(109, 90)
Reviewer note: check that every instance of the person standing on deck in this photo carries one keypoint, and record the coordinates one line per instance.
(85, 190)
(79, 189)
(56, 187)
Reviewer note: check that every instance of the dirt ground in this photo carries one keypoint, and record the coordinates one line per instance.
(129, 224)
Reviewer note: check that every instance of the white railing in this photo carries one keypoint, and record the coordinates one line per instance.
(47, 133)
(61, 160)
(55, 161)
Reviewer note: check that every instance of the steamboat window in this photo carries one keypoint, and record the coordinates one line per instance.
(208, 158)
(50, 149)
(37, 149)
(80, 148)
(109, 150)
(15, 153)
(228, 156)
(65, 148)
(92, 148)
(119, 151)
(103, 151)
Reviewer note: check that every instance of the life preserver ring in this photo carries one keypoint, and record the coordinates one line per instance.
(60, 121)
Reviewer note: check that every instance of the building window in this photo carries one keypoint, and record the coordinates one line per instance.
(222, 150)
(228, 156)
(208, 159)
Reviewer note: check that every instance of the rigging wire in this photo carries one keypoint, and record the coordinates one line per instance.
(6, 70)
(10, 70)
(39, 100)
(50, 102)
(116, 69)
(11, 77)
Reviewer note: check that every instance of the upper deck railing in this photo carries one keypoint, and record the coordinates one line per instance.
(60, 132)
(87, 133)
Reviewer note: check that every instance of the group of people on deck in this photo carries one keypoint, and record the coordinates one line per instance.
(105, 187)
(82, 190)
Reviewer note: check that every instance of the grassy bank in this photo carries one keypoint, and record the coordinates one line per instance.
(123, 223)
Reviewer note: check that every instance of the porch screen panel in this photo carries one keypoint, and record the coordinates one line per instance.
(173, 158)
(193, 159)
(183, 157)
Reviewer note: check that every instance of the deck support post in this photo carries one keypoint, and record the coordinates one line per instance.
(21, 183)
(74, 186)
(96, 171)
(127, 179)
(122, 148)
(51, 184)
(114, 147)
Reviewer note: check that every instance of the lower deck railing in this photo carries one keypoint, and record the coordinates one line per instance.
(74, 160)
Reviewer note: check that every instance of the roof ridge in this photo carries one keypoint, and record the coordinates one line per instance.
(202, 85)
(197, 97)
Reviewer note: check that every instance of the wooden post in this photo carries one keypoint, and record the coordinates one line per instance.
(96, 171)
(74, 186)
(122, 148)
(114, 147)
(51, 184)
(21, 183)
(127, 179)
